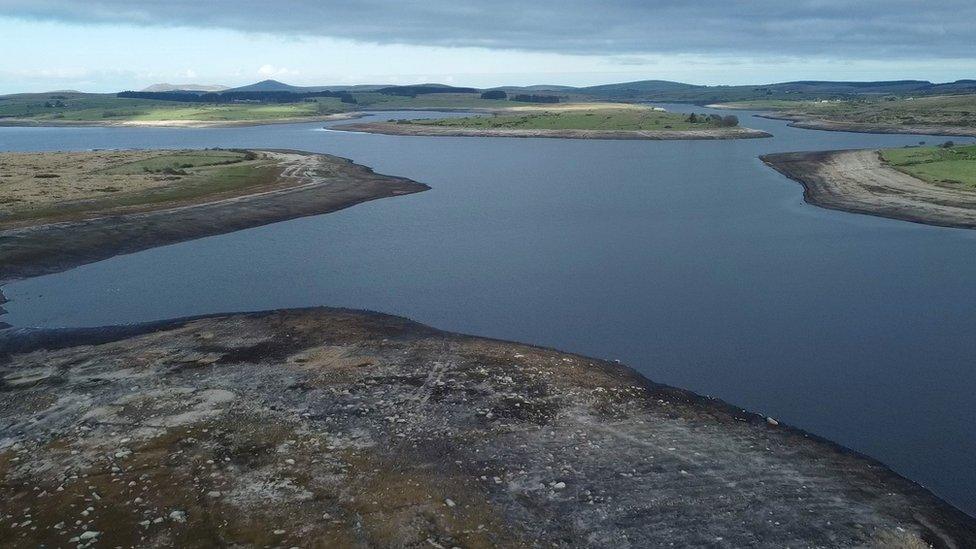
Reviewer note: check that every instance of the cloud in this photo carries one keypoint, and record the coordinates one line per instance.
(273, 71)
(833, 28)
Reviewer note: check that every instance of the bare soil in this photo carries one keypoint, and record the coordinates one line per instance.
(859, 181)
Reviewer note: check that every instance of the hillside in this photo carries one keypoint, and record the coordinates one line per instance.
(164, 87)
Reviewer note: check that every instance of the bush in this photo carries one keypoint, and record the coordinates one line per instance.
(948, 145)
(730, 120)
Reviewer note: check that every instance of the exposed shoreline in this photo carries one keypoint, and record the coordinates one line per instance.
(808, 122)
(415, 129)
(301, 190)
(859, 181)
(31, 123)
(250, 428)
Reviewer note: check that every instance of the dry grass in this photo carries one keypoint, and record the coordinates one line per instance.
(55, 185)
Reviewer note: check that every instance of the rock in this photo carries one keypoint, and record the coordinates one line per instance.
(449, 502)
(90, 534)
(279, 532)
(178, 516)
(772, 421)
(213, 494)
(559, 486)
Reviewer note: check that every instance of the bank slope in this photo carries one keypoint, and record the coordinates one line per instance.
(859, 181)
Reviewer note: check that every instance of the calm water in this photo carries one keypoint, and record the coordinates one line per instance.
(690, 261)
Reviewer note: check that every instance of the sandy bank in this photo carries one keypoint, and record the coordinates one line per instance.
(309, 184)
(449, 131)
(353, 429)
(859, 181)
(30, 122)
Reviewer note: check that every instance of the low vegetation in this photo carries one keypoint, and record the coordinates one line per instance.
(53, 186)
(586, 116)
(954, 165)
(947, 111)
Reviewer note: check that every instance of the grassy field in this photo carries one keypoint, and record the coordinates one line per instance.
(955, 165)
(578, 116)
(948, 110)
(86, 107)
(53, 186)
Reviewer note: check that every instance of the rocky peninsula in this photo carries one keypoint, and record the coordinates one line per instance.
(324, 427)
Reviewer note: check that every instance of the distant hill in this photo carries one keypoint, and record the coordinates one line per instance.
(267, 86)
(662, 90)
(275, 86)
(640, 86)
(184, 87)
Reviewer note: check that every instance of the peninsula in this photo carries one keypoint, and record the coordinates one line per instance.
(60, 210)
(949, 115)
(930, 185)
(335, 428)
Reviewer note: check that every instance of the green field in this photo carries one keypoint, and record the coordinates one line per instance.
(596, 116)
(87, 107)
(947, 110)
(954, 165)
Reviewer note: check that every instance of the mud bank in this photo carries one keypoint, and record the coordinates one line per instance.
(447, 131)
(309, 184)
(859, 181)
(324, 427)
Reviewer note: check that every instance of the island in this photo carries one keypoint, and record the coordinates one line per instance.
(930, 185)
(338, 428)
(63, 209)
(572, 121)
(948, 115)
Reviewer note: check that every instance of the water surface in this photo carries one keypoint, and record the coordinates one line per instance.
(689, 260)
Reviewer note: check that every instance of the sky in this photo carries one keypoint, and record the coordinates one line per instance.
(111, 45)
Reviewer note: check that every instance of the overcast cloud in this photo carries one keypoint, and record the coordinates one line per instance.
(866, 29)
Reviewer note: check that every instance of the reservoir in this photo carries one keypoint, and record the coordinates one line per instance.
(690, 261)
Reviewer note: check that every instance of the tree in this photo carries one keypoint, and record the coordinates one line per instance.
(494, 94)
(730, 120)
